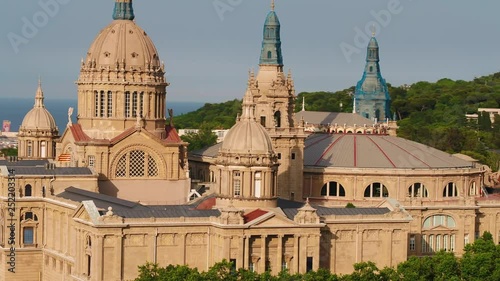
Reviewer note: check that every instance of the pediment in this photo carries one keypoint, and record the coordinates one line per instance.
(272, 220)
(441, 228)
(87, 212)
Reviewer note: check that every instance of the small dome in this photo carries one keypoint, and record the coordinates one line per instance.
(123, 43)
(247, 136)
(39, 118)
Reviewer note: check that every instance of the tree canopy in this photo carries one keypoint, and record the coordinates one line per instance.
(481, 262)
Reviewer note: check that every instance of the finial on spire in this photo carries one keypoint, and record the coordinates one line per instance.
(303, 103)
(39, 94)
(374, 30)
(272, 5)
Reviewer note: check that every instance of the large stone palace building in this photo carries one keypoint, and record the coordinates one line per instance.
(117, 188)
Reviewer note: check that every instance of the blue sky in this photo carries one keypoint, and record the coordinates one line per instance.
(208, 52)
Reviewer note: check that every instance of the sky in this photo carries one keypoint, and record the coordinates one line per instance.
(208, 46)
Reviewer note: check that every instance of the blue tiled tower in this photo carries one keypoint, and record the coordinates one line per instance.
(371, 99)
(271, 45)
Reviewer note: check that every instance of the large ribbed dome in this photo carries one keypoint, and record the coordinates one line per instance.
(123, 44)
(247, 136)
(39, 118)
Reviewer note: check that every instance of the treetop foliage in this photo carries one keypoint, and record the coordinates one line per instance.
(481, 262)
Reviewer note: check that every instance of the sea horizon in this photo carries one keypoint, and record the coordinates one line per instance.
(14, 110)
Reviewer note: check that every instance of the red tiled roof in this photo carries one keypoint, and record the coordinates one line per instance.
(254, 215)
(78, 133)
(207, 204)
(172, 135)
(123, 135)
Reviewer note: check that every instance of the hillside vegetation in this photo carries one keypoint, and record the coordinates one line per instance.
(429, 113)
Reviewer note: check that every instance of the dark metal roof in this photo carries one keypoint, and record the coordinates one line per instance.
(290, 208)
(42, 171)
(129, 209)
(210, 151)
(23, 163)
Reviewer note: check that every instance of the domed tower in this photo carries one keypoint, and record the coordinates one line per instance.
(121, 131)
(273, 94)
(371, 98)
(246, 161)
(38, 131)
(122, 80)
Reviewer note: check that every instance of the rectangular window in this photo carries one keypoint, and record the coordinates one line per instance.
(431, 243)
(134, 105)
(30, 149)
(452, 243)
(101, 106)
(91, 160)
(438, 243)
(28, 238)
(412, 243)
(233, 264)
(309, 264)
(445, 242)
(127, 104)
(293, 156)
(237, 187)
(424, 244)
(251, 267)
(141, 105)
(110, 104)
(466, 239)
(279, 155)
(96, 107)
(263, 121)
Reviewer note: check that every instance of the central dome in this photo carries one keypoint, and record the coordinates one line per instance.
(123, 44)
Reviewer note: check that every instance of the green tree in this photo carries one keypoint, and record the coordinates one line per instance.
(204, 138)
(481, 260)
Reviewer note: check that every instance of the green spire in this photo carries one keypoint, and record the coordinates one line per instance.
(271, 45)
(123, 10)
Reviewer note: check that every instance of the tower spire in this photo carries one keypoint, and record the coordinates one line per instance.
(39, 95)
(123, 10)
(271, 44)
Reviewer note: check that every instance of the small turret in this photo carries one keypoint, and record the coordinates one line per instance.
(271, 45)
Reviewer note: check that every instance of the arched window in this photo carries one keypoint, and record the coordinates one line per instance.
(450, 190)
(258, 184)
(473, 189)
(371, 68)
(333, 188)
(376, 190)
(28, 190)
(418, 190)
(96, 104)
(269, 55)
(137, 164)
(439, 220)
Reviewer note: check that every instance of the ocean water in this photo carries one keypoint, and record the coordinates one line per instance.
(14, 110)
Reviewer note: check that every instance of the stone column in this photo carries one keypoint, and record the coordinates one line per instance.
(118, 257)
(241, 253)
(263, 257)
(279, 253)
(359, 245)
(98, 261)
(183, 248)
(296, 253)
(316, 256)
(246, 252)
